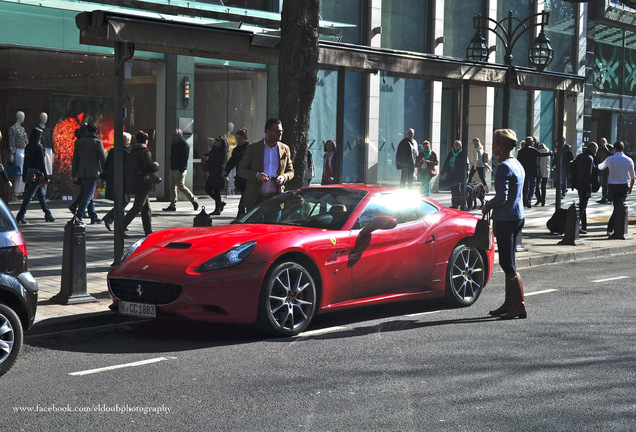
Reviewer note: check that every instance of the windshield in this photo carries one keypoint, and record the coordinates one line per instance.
(326, 208)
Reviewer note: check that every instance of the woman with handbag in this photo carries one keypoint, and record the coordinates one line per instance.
(139, 166)
(426, 163)
(214, 162)
(34, 177)
(508, 216)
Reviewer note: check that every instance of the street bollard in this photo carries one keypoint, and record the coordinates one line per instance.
(621, 224)
(572, 226)
(202, 219)
(73, 289)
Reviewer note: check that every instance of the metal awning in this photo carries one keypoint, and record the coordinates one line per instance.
(155, 35)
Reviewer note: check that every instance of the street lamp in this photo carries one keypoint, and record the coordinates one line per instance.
(509, 30)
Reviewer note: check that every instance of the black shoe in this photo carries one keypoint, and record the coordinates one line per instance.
(170, 208)
(72, 209)
(195, 205)
(49, 218)
(95, 221)
(107, 224)
(601, 201)
(149, 232)
(222, 206)
(582, 231)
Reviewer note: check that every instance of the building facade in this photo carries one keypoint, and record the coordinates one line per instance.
(45, 68)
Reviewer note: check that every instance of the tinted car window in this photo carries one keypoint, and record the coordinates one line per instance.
(402, 205)
(6, 219)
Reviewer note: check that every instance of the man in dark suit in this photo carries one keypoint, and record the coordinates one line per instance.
(88, 159)
(585, 180)
(266, 165)
(528, 157)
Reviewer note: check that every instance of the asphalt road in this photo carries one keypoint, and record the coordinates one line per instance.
(569, 367)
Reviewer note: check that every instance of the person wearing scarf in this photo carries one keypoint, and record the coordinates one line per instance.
(329, 167)
(453, 171)
(426, 163)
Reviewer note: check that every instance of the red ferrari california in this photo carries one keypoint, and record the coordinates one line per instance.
(305, 252)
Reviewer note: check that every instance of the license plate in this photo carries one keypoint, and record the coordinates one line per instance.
(137, 309)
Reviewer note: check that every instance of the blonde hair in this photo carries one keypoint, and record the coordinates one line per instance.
(127, 138)
(478, 142)
(507, 137)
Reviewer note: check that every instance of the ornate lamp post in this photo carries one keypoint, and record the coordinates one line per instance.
(509, 30)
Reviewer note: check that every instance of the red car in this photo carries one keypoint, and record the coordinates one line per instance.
(305, 252)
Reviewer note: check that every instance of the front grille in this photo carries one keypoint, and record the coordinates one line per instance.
(141, 291)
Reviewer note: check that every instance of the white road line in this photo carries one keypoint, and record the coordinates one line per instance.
(540, 292)
(109, 368)
(421, 313)
(610, 279)
(322, 331)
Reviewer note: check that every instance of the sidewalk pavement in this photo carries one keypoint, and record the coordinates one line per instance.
(45, 243)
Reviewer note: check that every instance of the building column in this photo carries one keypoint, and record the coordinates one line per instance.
(372, 114)
(179, 113)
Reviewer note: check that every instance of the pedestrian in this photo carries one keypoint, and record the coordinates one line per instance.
(528, 157)
(426, 163)
(311, 169)
(34, 177)
(214, 162)
(566, 160)
(543, 173)
(508, 219)
(179, 155)
(604, 151)
(478, 164)
(109, 176)
(3, 173)
(455, 170)
(330, 163)
(233, 163)
(405, 157)
(266, 165)
(585, 181)
(88, 160)
(138, 163)
(621, 171)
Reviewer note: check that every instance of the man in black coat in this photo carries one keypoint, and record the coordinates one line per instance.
(528, 157)
(405, 157)
(585, 180)
(179, 155)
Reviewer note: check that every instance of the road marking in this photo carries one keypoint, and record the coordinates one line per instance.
(322, 331)
(109, 368)
(610, 279)
(541, 292)
(421, 313)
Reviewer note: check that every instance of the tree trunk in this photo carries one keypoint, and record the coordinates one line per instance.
(297, 77)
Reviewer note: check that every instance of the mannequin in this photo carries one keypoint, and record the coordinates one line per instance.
(18, 140)
(47, 143)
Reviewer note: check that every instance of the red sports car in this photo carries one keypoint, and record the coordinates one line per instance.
(305, 252)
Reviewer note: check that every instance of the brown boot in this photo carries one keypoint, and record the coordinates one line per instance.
(504, 307)
(516, 305)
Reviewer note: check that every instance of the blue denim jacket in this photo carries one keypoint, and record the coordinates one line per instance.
(507, 204)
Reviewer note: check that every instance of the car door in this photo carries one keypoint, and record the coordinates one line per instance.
(396, 260)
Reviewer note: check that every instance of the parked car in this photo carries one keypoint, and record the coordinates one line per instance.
(305, 252)
(18, 290)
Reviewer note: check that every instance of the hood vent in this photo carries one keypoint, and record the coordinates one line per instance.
(178, 245)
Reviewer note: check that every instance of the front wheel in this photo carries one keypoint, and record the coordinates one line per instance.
(10, 338)
(288, 300)
(465, 276)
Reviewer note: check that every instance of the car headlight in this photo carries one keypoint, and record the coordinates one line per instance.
(229, 258)
(131, 249)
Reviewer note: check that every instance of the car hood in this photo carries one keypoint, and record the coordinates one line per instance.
(192, 247)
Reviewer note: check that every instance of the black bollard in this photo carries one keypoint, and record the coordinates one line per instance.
(202, 219)
(621, 224)
(73, 289)
(572, 226)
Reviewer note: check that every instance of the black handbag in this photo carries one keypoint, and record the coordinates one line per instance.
(482, 238)
(152, 178)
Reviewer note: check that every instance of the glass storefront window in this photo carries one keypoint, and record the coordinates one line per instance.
(608, 45)
(630, 63)
(458, 26)
(520, 10)
(403, 105)
(561, 31)
(405, 25)
(347, 12)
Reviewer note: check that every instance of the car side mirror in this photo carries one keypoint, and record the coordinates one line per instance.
(379, 222)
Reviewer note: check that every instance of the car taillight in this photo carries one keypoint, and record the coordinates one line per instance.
(19, 242)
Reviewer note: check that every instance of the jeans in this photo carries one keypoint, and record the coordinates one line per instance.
(528, 187)
(85, 198)
(506, 233)
(29, 192)
(604, 176)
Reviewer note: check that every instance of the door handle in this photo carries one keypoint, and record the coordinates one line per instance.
(430, 240)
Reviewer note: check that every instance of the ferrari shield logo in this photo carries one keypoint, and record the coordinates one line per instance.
(333, 240)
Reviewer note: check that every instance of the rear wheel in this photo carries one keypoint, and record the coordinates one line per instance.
(288, 300)
(10, 338)
(465, 276)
